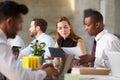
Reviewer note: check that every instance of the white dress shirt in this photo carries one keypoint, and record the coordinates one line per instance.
(9, 67)
(42, 38)
(17, 41)
(105, 42)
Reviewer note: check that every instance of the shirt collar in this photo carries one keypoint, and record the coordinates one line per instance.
(2, 34)
(40, 36)
(100, 34)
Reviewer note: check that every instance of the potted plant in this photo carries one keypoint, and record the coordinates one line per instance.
(38, 50)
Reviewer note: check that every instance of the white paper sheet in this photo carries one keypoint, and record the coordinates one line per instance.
(73, 50)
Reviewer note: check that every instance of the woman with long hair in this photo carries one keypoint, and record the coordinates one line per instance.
(66, 36)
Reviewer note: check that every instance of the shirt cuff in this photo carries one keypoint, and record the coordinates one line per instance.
(99, 62)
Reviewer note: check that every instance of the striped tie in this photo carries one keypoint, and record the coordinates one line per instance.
(93, 52)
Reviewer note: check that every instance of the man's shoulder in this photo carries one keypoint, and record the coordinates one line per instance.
(18, 37)
(2, 41)
(46, 36)
(110, 36)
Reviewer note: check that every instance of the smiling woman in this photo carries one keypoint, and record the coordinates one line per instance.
(66, 35)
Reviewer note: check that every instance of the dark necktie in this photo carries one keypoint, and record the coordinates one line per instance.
(93, 49)
(93, 52)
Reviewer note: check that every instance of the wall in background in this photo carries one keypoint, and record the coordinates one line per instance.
(73, 9)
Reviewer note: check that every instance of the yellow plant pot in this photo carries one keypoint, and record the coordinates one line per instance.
(31, 62)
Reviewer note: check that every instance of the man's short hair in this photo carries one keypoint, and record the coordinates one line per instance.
(11, 9)
(97, 16)
(41, 23)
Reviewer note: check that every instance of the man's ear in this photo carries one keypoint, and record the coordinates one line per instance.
(98, 24)
(9, 21)
(38, 28)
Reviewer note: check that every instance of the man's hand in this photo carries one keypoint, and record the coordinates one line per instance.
(46, 66)
(86, 59)
(76, 62)
(50, 70)
(48, 58)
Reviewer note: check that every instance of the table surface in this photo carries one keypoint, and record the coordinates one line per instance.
(88, 77)
(98, 77)
(93, 76)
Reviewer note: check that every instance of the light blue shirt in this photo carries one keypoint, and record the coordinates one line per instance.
(42, 38)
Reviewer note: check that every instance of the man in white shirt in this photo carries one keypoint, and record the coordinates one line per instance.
(105, 41)
(11, 18)
(37, 30)
(17, 41)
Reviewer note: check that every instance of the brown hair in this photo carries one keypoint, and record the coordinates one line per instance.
(41, 23)
(72, 33)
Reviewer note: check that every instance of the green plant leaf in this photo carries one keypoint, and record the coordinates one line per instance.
(42, 44)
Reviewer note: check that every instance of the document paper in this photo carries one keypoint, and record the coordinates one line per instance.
(72, 50)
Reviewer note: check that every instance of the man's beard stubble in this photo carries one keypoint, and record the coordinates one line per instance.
(33, 34)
